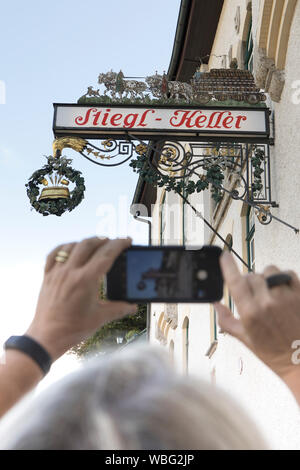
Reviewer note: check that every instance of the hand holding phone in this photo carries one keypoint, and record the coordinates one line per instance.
(168, 274)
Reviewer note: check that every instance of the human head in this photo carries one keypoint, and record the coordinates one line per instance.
(129, 400)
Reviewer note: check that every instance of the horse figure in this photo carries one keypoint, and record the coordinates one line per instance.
(134, 88)
(109, 81)
(157, 84)
(115, 84)
(174, 90)
(154, 83)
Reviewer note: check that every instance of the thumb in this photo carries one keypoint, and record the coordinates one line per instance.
(228, 323)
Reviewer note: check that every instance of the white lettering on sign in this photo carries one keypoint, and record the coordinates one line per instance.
(161, 119)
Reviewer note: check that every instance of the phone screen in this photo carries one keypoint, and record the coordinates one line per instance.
(167, 274)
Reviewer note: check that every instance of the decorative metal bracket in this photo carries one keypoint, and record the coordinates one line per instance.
(175, 160)
(233, 159)
(245, 167)
(110, 149)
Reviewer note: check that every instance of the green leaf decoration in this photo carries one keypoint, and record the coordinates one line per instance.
(55, 206)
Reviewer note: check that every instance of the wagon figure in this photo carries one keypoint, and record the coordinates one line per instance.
(225, 84)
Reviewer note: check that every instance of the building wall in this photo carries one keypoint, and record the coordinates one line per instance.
(261, 392)
(227, 362)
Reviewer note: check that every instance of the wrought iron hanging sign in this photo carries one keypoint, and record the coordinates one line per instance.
(220, 104)
(221, 114)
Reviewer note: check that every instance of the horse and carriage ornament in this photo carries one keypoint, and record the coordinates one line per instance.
(229, 86)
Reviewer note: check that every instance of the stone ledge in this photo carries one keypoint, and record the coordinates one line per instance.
(267, 76)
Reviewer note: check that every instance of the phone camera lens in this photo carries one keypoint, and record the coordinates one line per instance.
(202, 275)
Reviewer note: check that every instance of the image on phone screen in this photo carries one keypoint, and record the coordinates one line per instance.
(167, 274)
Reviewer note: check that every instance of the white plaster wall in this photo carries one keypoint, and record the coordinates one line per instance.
(239, 372)
(283, 246)
(226, 35)
(261, 392)
(235, 368)
(155, 309)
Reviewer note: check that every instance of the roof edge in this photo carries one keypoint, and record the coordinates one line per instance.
(183, 18)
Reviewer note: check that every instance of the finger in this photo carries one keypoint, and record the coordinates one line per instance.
(270, 271)
(50, 261)
(258, 286)
(295, 279)
(84, 250)
(104, 257)
(236, 282)
(228, 323)
(68, 248)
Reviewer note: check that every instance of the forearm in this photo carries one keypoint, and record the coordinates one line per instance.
(68, 311)
(19, 374)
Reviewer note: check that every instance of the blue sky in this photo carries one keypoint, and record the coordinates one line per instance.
(51, 52)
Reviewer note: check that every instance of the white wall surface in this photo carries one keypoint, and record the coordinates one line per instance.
(235, 368)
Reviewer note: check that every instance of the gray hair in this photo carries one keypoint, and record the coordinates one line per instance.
(129, 400)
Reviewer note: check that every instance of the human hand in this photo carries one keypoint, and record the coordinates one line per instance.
(269, 320)
(68, 309)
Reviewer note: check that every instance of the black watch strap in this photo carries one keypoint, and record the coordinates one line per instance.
(32, 348)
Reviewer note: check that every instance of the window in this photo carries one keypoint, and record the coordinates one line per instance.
(213, 332)
(162, 219)
(215, 326)
(249, 50)
(183, 220)
(184, 212)
(185, 337)
(250, 232)
(227, 296)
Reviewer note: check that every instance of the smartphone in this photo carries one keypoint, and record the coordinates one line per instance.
(168, 274)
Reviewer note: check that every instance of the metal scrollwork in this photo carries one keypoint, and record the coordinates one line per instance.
(109, 150)
(264, 215)
(173, 160)
(241, 170)
(211, 163)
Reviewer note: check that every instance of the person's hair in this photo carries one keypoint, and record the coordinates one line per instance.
(129, 400)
